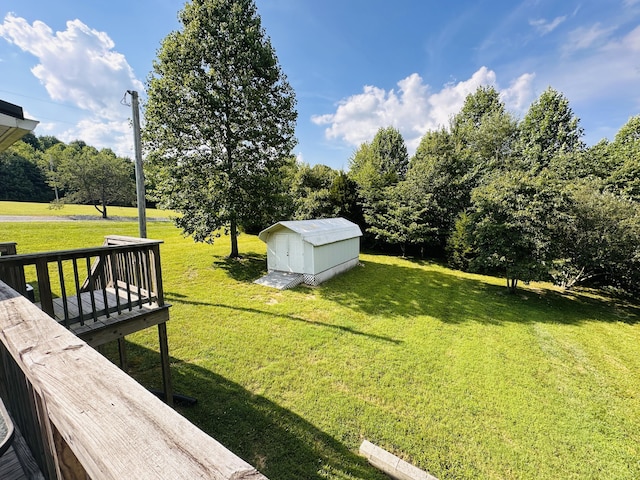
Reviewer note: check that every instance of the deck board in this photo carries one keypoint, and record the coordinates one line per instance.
(123, 313)
(115, 304)
(18, 463)
(10, 468)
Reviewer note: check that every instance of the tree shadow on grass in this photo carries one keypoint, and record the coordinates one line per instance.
(175, 298)
(279, 443)
(400, 291)
(247, 268)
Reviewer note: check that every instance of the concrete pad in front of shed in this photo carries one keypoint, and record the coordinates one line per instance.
(281, 280)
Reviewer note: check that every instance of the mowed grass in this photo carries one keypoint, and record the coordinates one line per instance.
(69, 210)
(442, 368)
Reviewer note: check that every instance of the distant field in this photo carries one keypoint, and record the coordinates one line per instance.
(442, 368)
(43, 209)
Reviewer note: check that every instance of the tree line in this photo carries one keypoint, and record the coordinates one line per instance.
(44, 169)
(526, 200)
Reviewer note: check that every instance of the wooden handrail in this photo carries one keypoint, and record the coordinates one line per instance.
(91, 419)
(127, 265)
(30, 258)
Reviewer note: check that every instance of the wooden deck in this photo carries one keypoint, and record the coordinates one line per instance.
(10, 468)
(18, 463)
(100, 293)
(111, 314)
(84, 418)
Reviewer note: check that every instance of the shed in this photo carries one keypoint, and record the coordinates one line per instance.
(316, 249)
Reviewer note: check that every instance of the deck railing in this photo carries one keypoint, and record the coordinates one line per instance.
(121, 275)
(83, 417)
(102, 293)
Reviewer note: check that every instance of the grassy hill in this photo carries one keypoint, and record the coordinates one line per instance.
(444, 369)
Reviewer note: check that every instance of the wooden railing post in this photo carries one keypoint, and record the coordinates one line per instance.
(157, 270)
(44, 286)
(8, 248)
(13, 275)
(166, 365)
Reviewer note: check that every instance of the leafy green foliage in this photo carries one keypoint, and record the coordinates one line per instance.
(548, 128)
(38, 168)
(311, 192)
(625, 154)
(376, 168)
(600, 241)
(21, 178)
(483, 135)
(220, 120)
(404, 218)
(511, 223)
(521, 199)
(99, 178)
(438, 173)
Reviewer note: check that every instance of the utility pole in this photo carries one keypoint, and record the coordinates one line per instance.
(142, 215)
(55, 183)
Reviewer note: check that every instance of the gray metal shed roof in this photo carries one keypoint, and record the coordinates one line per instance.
(317, 232)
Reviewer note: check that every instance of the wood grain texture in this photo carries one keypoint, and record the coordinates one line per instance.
(114, 427)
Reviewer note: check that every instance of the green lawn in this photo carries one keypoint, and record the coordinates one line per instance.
(442, 368)
(43, 209)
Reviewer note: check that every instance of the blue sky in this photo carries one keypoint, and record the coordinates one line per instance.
(355, 65)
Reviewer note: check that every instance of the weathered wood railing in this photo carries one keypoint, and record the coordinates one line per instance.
(84, 418)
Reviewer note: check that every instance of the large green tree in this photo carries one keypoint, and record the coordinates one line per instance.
(483, 134)
(311, 192)
(511, 227)
(220, 119)
(599, 243)
(437, 171)
(624, 153)
(549, 128)
(375, 167)
(96, 177)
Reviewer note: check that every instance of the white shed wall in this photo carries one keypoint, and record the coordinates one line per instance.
(332, 254)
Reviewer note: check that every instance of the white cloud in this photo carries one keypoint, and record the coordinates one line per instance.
(520, 93)
(80, 66)
(450, 99)
(544, 27)
(116, 135)
(607, 72)
(586, 37)
(413, 109)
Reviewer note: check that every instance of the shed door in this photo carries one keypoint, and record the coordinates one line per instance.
(288, 254)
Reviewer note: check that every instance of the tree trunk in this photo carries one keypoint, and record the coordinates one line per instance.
(103, 200)
(103, 212)
(233, 230)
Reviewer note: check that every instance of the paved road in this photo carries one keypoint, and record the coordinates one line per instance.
(72, 218)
